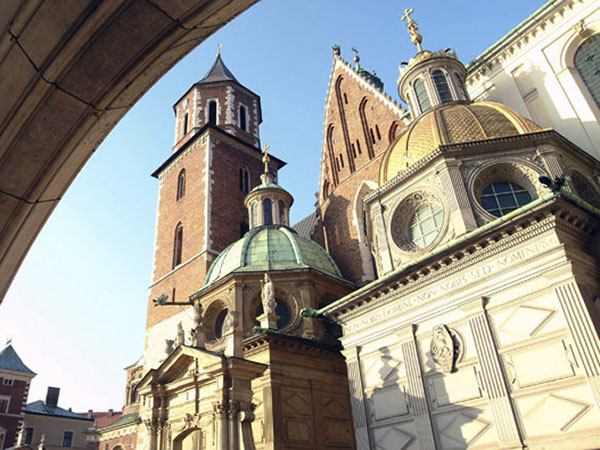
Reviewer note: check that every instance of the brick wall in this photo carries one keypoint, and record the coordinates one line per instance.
(18, 399)
(359, 123)
(226, 210)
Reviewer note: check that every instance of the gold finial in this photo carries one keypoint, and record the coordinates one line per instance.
(412, 26)
(219, 47)
(266, 158)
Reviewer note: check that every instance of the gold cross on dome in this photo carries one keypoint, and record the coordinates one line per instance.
(412, 26)
(407, 13)
(266, 158)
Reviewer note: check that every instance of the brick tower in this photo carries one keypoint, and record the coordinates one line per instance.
(216, 161)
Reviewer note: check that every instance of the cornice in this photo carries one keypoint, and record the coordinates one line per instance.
(518, 37)
(464, 253)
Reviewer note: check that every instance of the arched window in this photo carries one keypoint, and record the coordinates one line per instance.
(325, 189)
(178, 245)
(441, 85)
(503, 197)
(422, 96)
(267, 211)
(282, 215)
(185, 123)
(181, 184)
(243, 120)
(212, 112)
(254, 214)
(244, 179)
(587, 63)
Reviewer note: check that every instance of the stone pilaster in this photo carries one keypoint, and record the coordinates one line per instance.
(492, 375)
(357, 398)
(234, 409)
(456, 196)
(583, 332)
(416, 390)
(221, 429)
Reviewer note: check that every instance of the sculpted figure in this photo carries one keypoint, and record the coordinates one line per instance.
(229, 323)
(268, 295)
(180, 334)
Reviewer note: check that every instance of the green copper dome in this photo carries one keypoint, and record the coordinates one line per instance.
(271, 248)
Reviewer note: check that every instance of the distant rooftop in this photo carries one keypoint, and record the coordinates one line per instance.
(39, 407)
(9, 360)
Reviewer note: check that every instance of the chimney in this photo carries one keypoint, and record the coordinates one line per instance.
(110, 413)
(89, 414)
(52, 396)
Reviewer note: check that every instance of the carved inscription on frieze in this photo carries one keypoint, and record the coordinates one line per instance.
(472, 276)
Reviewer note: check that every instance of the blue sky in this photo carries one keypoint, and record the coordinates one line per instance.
(76, 310)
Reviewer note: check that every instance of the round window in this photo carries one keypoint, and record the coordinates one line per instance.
(281, 309)
(219, 323)
(502, 197)
(426, 224)
(585, 190)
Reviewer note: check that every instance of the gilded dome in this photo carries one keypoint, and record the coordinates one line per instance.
(271, 248)
(451, 124)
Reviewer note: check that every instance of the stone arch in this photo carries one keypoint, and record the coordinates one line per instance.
(189, 439)
(93, 61)
(576, 37)
(361, 223)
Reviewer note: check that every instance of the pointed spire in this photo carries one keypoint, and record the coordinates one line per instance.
(218, 72)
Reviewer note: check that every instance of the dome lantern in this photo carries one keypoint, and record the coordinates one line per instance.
(430, 79)
(268, 203)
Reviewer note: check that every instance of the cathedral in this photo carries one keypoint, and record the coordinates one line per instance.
(443, 294)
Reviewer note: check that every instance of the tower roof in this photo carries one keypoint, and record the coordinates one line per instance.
(218, 72)
(9, 360)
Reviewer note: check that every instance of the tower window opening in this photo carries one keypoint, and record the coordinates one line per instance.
(345, 98)
(337, 160)
(185, 123)
(243, 227)
(342, 160)
(212, 112)
(181, 184)
(372, 135)
(244, 180)
(358, 147)
(243, 124)
(173, 295)
(378, 133)
(441, 85)
(254, 214)
(267, 211)
(422, 96)
(353, 150)
(178, 245)
(282, 215)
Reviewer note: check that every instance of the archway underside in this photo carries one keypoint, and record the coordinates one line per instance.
(69, 71)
